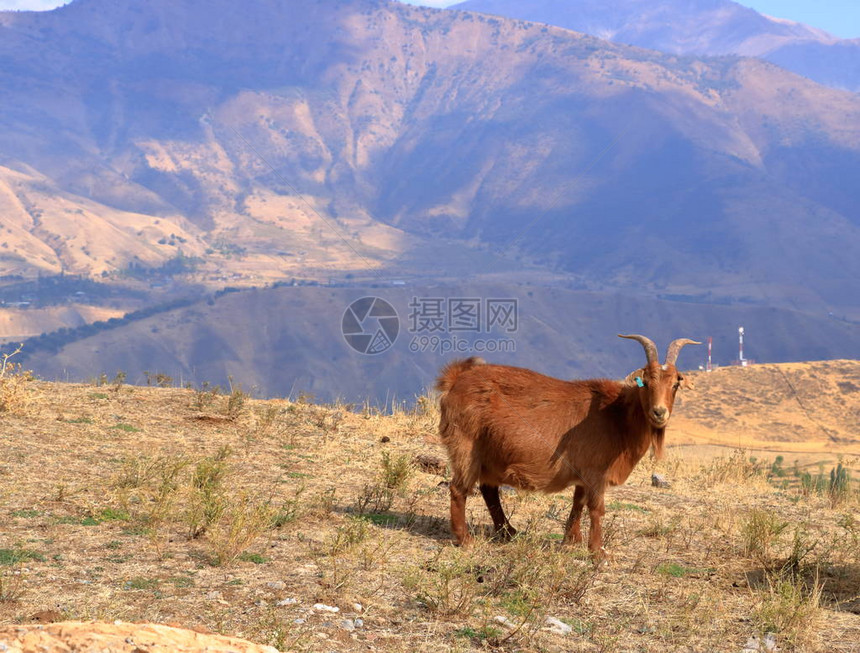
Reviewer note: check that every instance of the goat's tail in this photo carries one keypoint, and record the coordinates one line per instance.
(453, 369)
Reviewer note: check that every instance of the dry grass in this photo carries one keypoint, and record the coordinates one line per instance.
(790, 607)
(15, 384)
(176, 506)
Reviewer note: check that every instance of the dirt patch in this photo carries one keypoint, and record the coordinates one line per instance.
(118, 638)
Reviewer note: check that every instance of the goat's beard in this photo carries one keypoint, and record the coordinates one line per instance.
(657, 436)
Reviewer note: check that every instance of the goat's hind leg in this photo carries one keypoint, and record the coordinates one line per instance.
(572, 530)
(503, 529)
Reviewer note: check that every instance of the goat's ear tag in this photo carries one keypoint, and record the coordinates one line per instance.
(639, 381)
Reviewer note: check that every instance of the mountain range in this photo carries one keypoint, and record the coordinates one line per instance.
(365, 139)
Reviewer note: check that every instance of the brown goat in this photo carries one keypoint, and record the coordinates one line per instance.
(512, 426)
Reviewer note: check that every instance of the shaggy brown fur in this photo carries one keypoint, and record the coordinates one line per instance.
(512, 426)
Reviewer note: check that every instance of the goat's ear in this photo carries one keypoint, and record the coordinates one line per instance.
(630, 379)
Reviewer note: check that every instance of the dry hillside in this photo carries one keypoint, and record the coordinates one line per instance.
(799, 406)
(258, 519)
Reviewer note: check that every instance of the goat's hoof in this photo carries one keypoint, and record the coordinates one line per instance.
(505, 534)
(600, 557)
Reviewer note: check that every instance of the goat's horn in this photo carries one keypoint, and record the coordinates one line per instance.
(650, 348)
(675, 349)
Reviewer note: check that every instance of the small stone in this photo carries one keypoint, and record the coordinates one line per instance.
(358, 623)
(214, 595)
(299, 621)
(348, 625)
(756, 645)
(358, 607)
(322, 607)
(658, 480)
(384, 439)
(288, 602)
(507, 623)
(277, 585)
(558, 626)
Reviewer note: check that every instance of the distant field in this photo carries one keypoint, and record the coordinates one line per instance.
(286, 340)
(19, 324)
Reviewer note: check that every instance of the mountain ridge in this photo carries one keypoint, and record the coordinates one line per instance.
(701, 27)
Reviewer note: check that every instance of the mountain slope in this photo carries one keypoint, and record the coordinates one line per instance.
(833, 64)
(53, 231)
(352, 132)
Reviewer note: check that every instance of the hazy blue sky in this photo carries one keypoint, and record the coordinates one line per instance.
(31, 4)
(839, 17)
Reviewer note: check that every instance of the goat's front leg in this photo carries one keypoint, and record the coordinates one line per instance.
(458, 515)
(596, 510)
(572, 530)
(502, 526)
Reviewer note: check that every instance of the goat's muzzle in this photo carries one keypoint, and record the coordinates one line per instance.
(659, 416)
